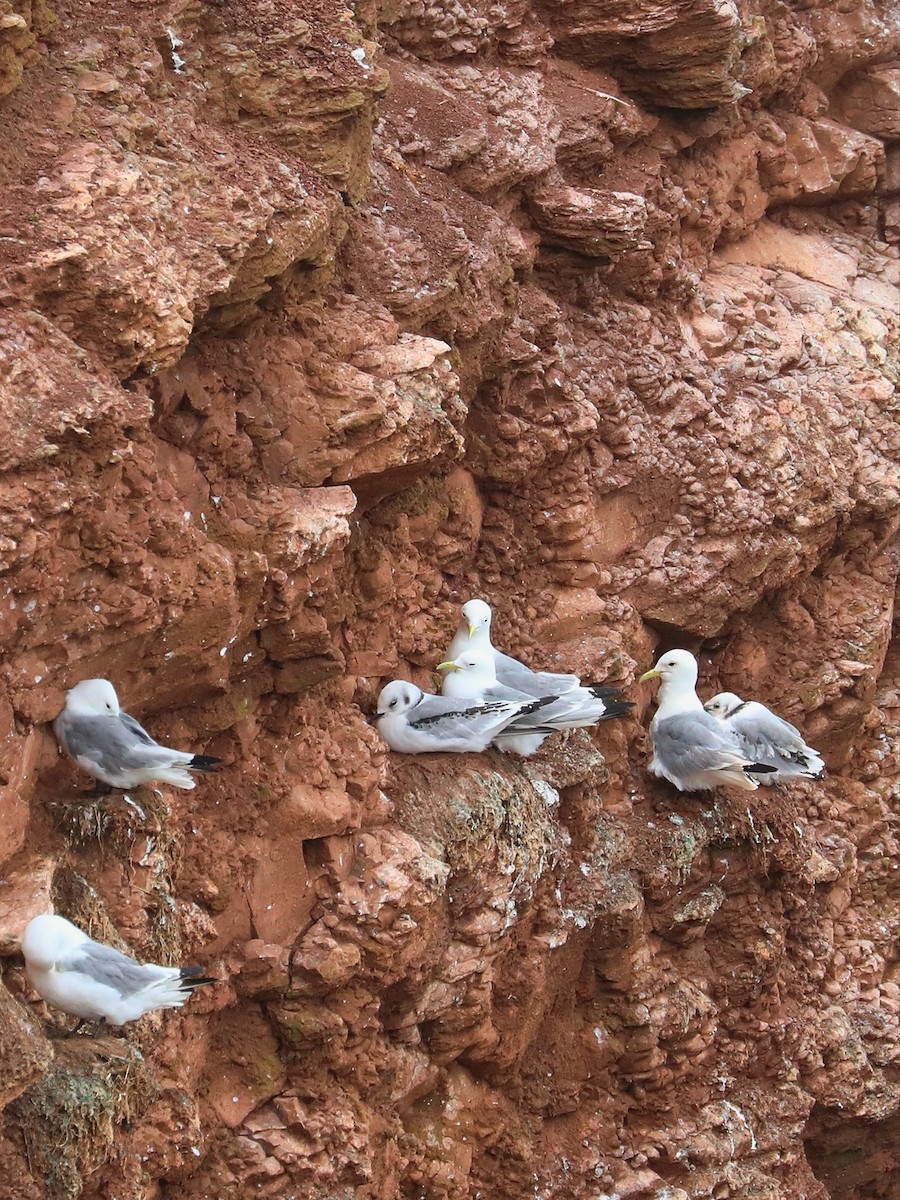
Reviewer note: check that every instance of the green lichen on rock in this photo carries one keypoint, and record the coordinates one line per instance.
(479, 815)
(71, 1118)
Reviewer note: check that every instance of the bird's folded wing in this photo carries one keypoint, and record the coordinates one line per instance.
(138, 730)
(111, 968)
(538, 710)
(445, 718)
(770, 733)
(516, 675)
(114, 747)
(686, 745)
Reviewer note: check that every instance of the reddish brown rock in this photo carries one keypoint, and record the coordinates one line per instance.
(26, 1052)
(593, 223)
(26, 894)
(22, 22)
(870, 101)
(591, 315)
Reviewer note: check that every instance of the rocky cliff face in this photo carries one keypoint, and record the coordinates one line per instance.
(316, 321)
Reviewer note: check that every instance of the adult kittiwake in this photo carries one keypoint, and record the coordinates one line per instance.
(415, 722)
(95, 982)
(766, 738)
(690, 748)
(474, 633)
(473, 674)
(113, 747)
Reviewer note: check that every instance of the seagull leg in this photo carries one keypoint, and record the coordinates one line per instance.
(99, 1027)
(100, 789)
(66, 1033)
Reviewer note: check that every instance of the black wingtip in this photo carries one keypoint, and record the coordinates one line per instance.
(759, 769)
(192, 977)
(203, 762)
(604, 691)
(802, 760)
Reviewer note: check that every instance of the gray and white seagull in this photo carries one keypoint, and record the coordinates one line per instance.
(767, 738)
(473, 675)
(415, 722)
(691, 748)
(114, 748)
(474, 633)
(95, 982)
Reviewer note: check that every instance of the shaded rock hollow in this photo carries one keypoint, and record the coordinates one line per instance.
(315, 321)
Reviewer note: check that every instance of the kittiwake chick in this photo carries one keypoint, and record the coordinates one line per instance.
(415, 722)
(767, 738)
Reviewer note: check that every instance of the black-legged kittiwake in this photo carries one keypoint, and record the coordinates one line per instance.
(113, 747)
(766, 738)
(690, 748)
(473, 674)
(415, 722)
(95, 982)
(474, 633)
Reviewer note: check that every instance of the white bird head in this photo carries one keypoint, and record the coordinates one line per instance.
(723, 704)
(678, 668)
(47, 938)
(397, 697)
(474, 669)
(93, 697)
(476, 616)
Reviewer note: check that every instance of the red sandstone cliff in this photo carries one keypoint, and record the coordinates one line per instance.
(315, 321)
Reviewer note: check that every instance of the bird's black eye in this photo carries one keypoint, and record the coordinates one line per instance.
(393, 704)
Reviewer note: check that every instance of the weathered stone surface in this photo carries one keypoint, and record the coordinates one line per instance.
(22, 22)
(589, 314)
(26, 1054)
(870, 101)
(592, 222)
(682, 55)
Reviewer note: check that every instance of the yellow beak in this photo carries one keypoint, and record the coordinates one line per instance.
(651, 674)
(447, 666)
(471, 631)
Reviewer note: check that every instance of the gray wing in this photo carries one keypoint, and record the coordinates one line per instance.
(462, 719)
(554, 710)
(515, 674)
(694, 742)
(138, 730)
(111, 967)
(114, 744)
(448, 718)
(769, 739)
(432, 709)
(766, 730)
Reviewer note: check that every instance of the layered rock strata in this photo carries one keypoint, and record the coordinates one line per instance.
(316, 321)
